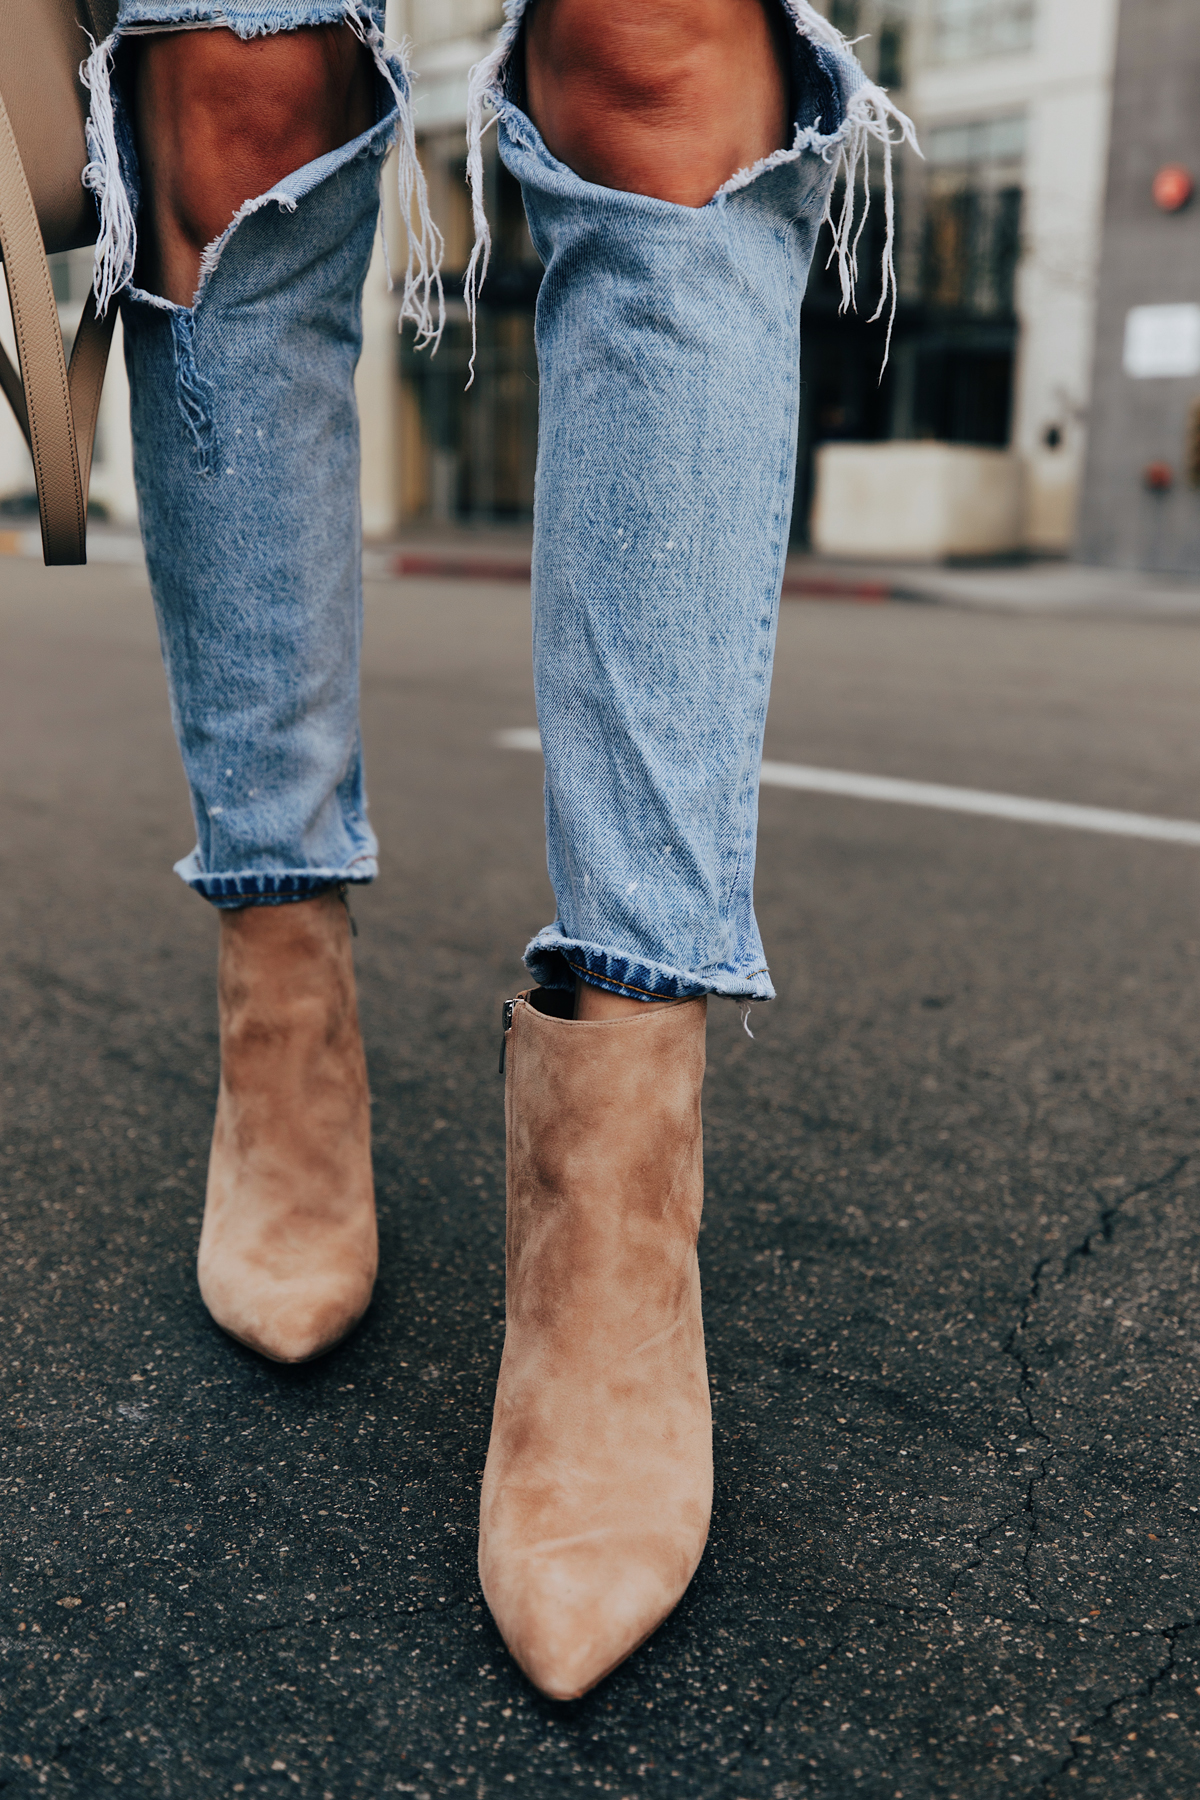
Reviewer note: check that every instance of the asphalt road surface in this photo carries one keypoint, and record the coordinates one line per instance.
(950, 1255)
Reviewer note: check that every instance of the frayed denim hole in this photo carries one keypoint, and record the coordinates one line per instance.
(112, 173)
(193, 392)
(123, 75)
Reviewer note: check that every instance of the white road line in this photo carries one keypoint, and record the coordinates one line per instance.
(810, 780)
(525, 737)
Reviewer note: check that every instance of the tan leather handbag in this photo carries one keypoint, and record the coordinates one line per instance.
(44, 207)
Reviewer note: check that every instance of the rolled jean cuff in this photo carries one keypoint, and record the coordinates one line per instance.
(555, 961)
(274, 888)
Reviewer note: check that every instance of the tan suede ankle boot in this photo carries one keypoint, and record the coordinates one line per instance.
(288, 1250)
(598, 1487)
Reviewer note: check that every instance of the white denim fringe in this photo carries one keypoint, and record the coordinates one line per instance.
(869, 114)
(422, 300)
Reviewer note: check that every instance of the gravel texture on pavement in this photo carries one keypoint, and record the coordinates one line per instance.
(950, 1257)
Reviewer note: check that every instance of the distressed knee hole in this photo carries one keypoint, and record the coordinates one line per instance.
(317, 89)
(658, 97)
(220, 119)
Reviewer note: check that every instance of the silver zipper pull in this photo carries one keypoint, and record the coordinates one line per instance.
(508, 1013)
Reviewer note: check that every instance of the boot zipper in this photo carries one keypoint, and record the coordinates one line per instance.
(508, 1013)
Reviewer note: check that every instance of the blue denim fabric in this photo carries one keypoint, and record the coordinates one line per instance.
(668, 341)
(249, 18)
(246, 457)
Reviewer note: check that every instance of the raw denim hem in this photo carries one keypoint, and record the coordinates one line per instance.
(555, 961)
(246, 18)
(232, 891)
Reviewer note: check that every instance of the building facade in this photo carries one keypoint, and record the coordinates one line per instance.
(1142, 497)
(999, 241)
(470, 453)
(1013, 100)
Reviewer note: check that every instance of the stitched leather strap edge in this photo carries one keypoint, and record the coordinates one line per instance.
(61, 495)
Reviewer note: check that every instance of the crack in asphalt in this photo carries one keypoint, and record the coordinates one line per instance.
(980, 1540)
(771, 1715)
(1028, 1509)
(1104, 1229)
(1170, 1635)
(1028, 1512)
(1106, 1224)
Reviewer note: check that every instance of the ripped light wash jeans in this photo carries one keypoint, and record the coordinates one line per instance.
(669, 352)
(246, 457)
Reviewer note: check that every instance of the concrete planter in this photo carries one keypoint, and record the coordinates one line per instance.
(922, 502)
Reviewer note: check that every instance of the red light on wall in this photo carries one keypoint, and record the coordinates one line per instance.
(1159, 477)
(1173, 187)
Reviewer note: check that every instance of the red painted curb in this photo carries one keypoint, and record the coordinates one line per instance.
(460, 568)
(829, 587)
(484, 568)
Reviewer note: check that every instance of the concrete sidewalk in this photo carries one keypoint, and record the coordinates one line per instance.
(1049, 586)
(1033, 586)
(503, 554)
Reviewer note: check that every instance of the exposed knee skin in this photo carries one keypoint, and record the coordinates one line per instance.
(661, 97)
(220, 119)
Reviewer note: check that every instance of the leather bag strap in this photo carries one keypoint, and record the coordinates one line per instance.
(85, 378)
(51, 406)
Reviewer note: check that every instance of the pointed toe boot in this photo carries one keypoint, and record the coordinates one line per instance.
(288, 1249)
(598, 1487)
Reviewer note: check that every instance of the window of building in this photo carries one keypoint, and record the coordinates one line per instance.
(976, 143)
(878, 29)
(966, 346)
(893, 46)
(469, 453)
(967, 28)
(973, 216)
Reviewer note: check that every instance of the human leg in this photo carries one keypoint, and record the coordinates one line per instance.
(221, 119)
(637, 99)
(668, 351)
(242, 333)
(666, 100)
(668, 344)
